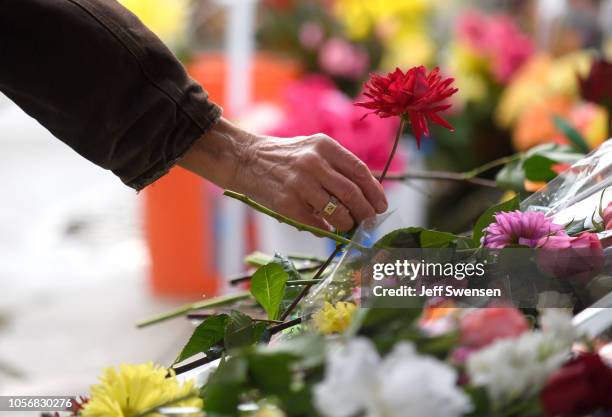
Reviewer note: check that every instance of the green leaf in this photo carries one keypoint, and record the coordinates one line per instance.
(538, 167)
(572, 134)
(411, 237)
(272, 372)
(222, 392)
(511, 177)
(288, 266)
(268, 287)
(366, 319)
(242, 331)
(480, 400)
(309, 348)
(487, 217)
(210, 332)
(438, 346)
(400, 238)
(436, 239)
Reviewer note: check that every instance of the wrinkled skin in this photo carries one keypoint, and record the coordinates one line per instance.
(295, 177)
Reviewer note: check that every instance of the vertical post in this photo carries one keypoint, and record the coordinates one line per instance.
(239, 50)
(240, 45)
(547, 12)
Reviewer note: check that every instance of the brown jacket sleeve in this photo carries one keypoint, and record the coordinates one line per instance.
(100, 81)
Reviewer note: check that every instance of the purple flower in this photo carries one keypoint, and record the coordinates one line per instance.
(518, 228)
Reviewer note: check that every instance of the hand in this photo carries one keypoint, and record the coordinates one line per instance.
(295, 177)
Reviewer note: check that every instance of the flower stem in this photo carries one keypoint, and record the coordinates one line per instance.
(300, 282)
(443, 176)
(213, 302)
(490, 165)
(398, 135)
(283, 219)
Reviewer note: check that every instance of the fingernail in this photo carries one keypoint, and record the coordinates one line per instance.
(381, 207)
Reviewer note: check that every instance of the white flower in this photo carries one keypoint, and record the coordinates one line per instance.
(515, 368)
(412, 385)
(554, 299)
(348, 378)
(558, 324)
(404, 384)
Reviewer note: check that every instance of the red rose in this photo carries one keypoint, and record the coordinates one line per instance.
(597, 87)
(482, 327)
(414, 95)
(580, 387)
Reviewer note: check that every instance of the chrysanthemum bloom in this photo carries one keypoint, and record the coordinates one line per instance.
(518, 228)
(334, 318)
(134, 389)
(414, 96)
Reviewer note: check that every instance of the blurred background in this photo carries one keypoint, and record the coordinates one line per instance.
(82, 257)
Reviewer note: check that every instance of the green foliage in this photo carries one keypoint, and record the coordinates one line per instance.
(512, 177)
(487, 217)
(265, 372)
(480, 400)
(417, 237)
(572, 134)
(222, 392)
(268, 287)
(538, 162)
(242, 331)
(210, 332)
(536, 165)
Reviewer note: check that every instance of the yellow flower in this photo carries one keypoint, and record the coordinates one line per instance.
(408, 50)
(540, 79)
(334, 319)
(471, 72)
(134, 389)
(360, 18)
(168, 19)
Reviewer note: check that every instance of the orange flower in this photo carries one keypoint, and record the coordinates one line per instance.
(536, 125)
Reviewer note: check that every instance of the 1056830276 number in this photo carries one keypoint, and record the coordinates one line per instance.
(36, 403)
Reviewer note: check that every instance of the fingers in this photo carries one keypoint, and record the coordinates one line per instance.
(316, 197)
(355, 170)
(303, 214)
(348, 193)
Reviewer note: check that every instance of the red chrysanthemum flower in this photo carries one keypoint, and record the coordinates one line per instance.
(415, 96)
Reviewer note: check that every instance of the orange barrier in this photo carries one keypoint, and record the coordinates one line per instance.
(179, 208)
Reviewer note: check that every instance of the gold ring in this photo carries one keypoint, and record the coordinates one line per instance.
(331, 207)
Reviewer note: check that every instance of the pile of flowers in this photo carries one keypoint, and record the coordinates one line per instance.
(336, 355)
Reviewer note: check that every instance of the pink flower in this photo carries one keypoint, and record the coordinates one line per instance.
(340, 58)
(509, 47)
(607, 217)
(482, 327)
(473, 29)
(331, 112)
(578, 258)
(497, 38)
(311, 35)
(519, 228)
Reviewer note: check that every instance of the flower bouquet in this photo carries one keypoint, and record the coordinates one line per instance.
(311, 337)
